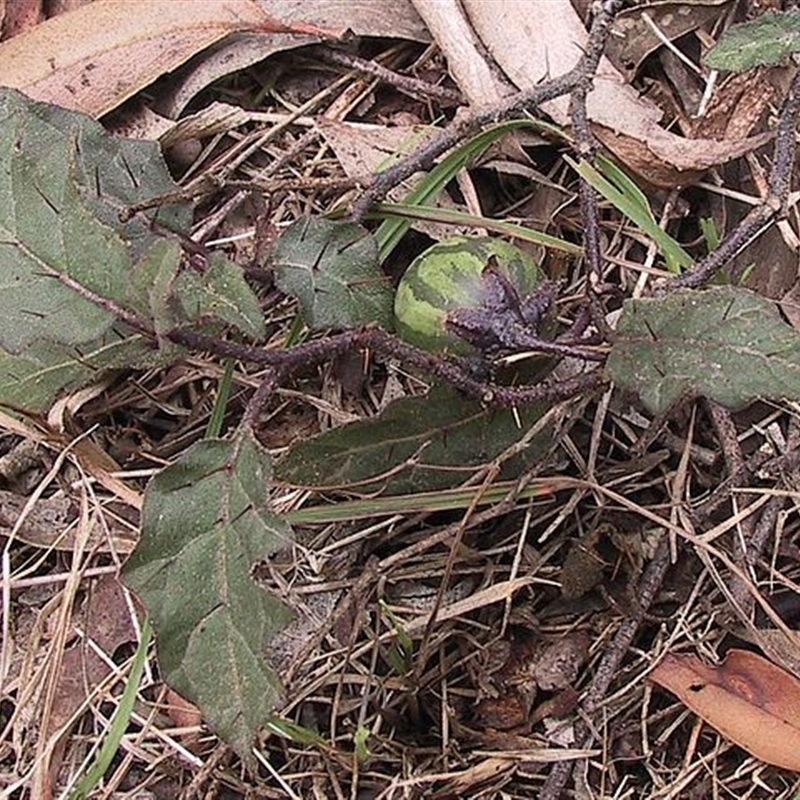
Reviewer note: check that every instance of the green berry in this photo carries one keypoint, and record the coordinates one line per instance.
(450, 276)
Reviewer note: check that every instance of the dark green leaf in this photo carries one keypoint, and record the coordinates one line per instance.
(441, 437)
(726, 343)
(206, 521)
(763, 42)
(63, 181)
(220, 292)
(332, 269)
(77, 285)
(31, 381)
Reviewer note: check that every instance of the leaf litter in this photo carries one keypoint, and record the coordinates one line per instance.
(419, 714)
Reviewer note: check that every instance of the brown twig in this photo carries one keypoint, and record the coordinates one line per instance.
(728, 438)
(411, 86)
(449, 370)
(762, 216)
(590, 210)
(608, 669)
(459, 130)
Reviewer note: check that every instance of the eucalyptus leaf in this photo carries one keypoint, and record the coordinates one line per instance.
(332, 269)
(416, 444)
(206, 521)
(763, 42)
(725, 343)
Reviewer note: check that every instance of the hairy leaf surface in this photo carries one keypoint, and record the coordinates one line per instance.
(206, 521)
(416, 444)
(63, 182)
(80, 290)
(332, 269)
(726, 343)
(762, 42)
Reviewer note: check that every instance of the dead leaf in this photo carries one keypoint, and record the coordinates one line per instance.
(636, 30)
(394, 19)
(560, 659)
(747, 699)
(109, 625)
(183, 713)
(627, 124)
(50, 524)
(511, 32)
(364, 149)
(738, 104)
(667, 160)
(94, 58)
(583, 567)
(475, 778)
(533, 662)
(20, 16)
(465, 62)
(214, 118)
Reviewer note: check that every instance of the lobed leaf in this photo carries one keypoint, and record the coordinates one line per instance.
(206, 521)
(725, 343)
(332, 269)
(220, 292)
(78, 287)
(32, 380)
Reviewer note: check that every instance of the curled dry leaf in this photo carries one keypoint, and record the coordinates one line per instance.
(640, 30)
(94, 58)
(627, 124)
(746, 698)
(388, 19)
(108, 624)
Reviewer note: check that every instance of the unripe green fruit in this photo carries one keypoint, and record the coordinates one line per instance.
(450, 276)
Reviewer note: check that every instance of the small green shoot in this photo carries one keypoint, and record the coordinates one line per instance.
(710, 233)
(119, 721)
(214, 427)
(616, 187)
(360, 739)
(399, 655)
(297, 332)
(293, 732)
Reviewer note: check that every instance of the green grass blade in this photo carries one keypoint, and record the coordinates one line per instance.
(214, 427)
(422, 502)
(403, 211)
(630, 203)
(627, 186)
(392, 231)
(119, 722)
(299, 734)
